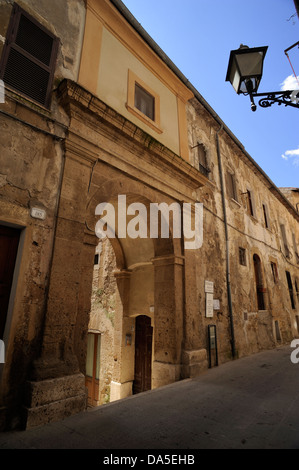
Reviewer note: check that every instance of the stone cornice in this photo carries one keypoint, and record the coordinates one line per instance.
(88, 111)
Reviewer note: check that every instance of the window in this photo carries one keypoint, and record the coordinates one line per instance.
(200, 159)
(242, 256)
(231, 186)
(285, 241)
(29, 56)
(143, 102)
(250, 203)
(260, 290)
(274, 272)
(266, 216)
(290, 286)
(96, 259)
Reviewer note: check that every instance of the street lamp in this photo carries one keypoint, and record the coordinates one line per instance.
(245, 70)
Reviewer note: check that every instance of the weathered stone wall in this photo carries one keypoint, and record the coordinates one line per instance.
(102, 314)
(32, 161)
(253, 329)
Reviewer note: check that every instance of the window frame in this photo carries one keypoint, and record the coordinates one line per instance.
(10, 44)
(250, 202)
(274, 270)
(242, 256)
(266, 216)
(134, 80)
(231, 186)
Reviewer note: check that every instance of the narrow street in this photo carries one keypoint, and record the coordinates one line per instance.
(250, 403)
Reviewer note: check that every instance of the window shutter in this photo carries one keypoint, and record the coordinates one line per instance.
(28, 61)
(231, 186)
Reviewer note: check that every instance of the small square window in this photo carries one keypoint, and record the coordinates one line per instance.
(242, 256)
(145, 102)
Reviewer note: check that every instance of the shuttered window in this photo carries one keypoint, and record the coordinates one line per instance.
(29, 56)
(231, 186)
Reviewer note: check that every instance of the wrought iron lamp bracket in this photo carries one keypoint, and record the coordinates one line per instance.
(287, 98)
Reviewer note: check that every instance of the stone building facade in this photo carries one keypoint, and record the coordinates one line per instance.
(104, 117)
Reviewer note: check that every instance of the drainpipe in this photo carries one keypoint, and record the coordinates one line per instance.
(229, 297)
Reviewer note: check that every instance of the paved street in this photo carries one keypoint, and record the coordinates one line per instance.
(250, 403)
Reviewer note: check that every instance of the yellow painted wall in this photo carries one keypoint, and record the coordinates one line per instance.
(112, 87)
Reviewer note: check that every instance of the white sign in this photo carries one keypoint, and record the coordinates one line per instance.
(2, 92)
(216, 304)
(2, 352)
(209, 287)
(209, 305)
(38, 213)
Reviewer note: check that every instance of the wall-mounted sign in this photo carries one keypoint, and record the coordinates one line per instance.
(209, 305)
(216, 304)
(37, 213)
(209, 287)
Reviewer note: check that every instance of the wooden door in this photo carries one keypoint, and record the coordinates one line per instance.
(143, 354)
(92, 378)
(9, 242)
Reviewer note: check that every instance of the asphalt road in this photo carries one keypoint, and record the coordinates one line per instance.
(249, 403)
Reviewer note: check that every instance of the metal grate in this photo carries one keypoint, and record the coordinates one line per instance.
(28, 60)
(34, 40)
(32, 81)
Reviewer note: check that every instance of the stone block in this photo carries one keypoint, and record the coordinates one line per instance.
(120, 390)
(55, 411)
(194, 363)
(54, 399)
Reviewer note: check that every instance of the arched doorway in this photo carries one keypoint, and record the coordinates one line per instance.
(148, 276)
(143, 354)
(259, 282)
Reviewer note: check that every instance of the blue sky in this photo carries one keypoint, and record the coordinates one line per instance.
(198, 35)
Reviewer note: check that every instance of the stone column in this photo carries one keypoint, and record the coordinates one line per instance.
(123, 371)
(194, 357)
(57, 388)
(168, 329)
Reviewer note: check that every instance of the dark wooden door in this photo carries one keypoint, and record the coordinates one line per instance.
(9, 242)
(143, 354)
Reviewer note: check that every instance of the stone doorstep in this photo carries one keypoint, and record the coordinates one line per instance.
(45, 392)
(194, 363)
(55, 411)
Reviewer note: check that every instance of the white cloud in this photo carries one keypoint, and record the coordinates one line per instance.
(292, 154)
(290, 83)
